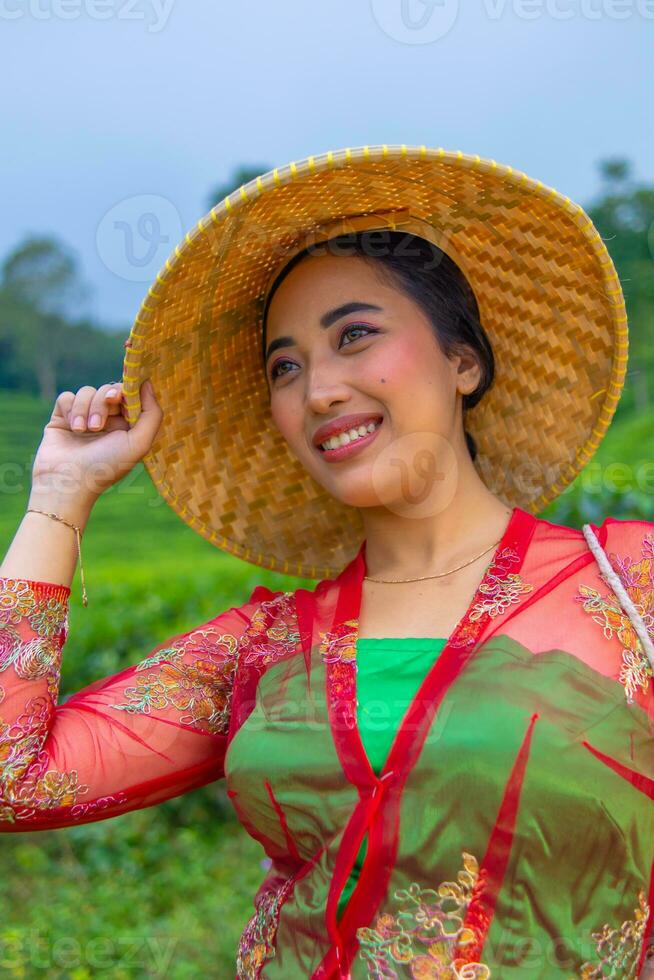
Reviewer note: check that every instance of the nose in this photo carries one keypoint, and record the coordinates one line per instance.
(320, 400)
(323, 391)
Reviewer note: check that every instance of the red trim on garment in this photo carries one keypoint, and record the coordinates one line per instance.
(492, 869)
(290, 843)
(45, 590)
(348, 744)
(350, 843)
(271, 847)
(306, 611)
(383, 831)
(642, 783)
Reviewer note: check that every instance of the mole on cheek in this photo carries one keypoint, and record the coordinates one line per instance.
(383, 380)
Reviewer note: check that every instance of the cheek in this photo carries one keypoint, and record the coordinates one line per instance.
(398, 364)
(287, 419)
(403, 368)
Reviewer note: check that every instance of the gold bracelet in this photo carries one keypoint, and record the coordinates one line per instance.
(33, 510)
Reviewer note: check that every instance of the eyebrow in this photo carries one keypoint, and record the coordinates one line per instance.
(326, 320)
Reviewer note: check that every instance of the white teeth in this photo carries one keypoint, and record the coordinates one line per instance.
(344, 438)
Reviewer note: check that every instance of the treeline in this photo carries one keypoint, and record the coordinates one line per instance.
(45, 349)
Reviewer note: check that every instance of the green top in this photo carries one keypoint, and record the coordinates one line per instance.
(389, 673)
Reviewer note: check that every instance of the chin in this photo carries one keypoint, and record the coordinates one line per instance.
(354, 493)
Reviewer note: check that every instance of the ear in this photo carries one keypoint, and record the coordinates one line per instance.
(468, 372)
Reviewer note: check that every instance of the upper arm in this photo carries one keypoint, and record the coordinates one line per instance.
(150, 732)
(629, 546)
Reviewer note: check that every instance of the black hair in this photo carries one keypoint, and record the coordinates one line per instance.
(428, 276)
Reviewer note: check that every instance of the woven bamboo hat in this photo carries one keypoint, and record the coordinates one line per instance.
(548, 296)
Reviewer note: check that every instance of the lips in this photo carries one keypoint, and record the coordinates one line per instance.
(352, 448)
(343, 424)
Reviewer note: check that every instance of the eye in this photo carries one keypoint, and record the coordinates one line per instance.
(357, 326)
(275, 372)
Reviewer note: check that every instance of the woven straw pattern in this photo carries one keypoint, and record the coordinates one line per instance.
(549, 299)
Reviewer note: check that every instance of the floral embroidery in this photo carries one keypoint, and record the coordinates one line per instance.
(272, 632)
(200, 688)
(9, 645)
(37, 657)
(619, 949)
(203, 688)
(26, 784)
(500, 589)
(47, 616)
(339, 645)
(426, 937)
(16, 601)
(256, 945)
(338, 650)
(638, 580)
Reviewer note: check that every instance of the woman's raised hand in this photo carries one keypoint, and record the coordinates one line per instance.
(88, 444)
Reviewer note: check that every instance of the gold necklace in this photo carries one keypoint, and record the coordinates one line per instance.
(439, 575)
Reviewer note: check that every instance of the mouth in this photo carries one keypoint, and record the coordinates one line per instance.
(348, 443)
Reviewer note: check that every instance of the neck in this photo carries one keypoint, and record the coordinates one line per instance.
(398, 546)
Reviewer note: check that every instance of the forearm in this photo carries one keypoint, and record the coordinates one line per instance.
(44, 549)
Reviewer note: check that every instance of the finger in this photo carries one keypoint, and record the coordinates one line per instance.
(112, 423)
(62, 405)
(79, 411)
(145, 428)
(115, 399)
(101, 406)
(114, 391)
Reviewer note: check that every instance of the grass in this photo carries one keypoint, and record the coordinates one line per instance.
(166, 891)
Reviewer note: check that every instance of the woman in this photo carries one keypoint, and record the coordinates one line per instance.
(445, 748)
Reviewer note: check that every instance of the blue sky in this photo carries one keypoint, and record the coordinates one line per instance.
(124, 114)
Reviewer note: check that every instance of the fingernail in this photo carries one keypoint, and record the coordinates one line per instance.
(111, 393)
(95, 420)
(78, 422)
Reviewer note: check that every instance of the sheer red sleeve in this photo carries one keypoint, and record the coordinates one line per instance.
(150, 732)
(629, 546)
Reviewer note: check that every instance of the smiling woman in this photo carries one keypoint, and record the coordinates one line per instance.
(494, 818)
(374, 353)
(426, 275)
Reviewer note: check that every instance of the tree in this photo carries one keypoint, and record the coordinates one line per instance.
(39, 286)
(624, 216)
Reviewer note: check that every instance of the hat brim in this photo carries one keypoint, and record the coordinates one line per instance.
(549, 299)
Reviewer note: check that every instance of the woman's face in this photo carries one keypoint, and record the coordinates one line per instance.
(382, 363)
